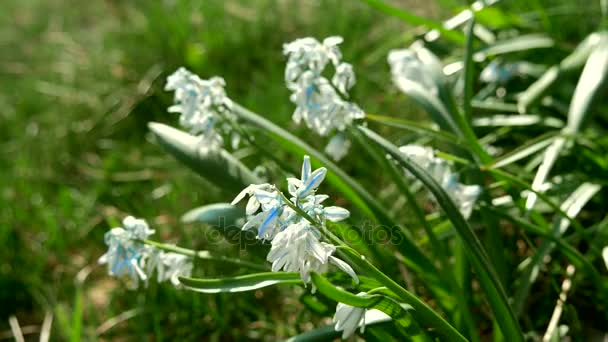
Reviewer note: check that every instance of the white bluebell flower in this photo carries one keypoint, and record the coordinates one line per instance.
(320, 104)
(407, 68)
(463, 195)
(203, 105)
(126, 256)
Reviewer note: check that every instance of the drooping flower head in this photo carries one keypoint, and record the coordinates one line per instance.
(321, 104)
(296, 244)
(407, 68)
(348, 318)
(125, 256)
(128, 256)
(203, 105)
(463, 195)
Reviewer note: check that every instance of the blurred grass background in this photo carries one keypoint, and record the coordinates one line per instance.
(79, 82)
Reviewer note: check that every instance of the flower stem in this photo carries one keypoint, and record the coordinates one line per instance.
(205, 255)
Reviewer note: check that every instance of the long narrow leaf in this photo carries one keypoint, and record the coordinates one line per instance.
(479, 258)
(244, 283)
(220, 167)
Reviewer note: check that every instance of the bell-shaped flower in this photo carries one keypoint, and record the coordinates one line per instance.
(125, 256)
(173, 266)
(348, 318)
(407, 68)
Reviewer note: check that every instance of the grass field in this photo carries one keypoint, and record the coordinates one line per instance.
(80, 82)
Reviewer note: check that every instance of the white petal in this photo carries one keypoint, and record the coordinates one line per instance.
(306, 169)
(335, 214)
(344, 267)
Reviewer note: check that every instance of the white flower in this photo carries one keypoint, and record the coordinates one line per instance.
(319, 103)
(173, 266)
(337, 147)
(605, 256)
(125, 255)
(406, 67)
(347, 318)
(298, 249)
(201, 103)
(463, 195)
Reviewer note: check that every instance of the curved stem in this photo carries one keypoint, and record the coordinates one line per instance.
(205, 255)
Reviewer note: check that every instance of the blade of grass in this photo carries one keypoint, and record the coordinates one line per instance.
(517, 44)
(468, 72)
(523, 151)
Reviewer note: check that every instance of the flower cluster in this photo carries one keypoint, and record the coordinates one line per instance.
(295, 242)
(204, 107)
(320, 103)
(463, 195)
(128, 256)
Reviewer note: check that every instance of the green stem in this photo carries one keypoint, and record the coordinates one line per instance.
(205, 255)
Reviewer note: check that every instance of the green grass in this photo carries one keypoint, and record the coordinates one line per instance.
(79, 83)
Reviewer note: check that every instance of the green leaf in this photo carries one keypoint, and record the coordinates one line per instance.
(488, 278)
(432, 105)
(217, 214)
(244, 283)
(592, 78)
(220, 168)
(468, 72)
(416, 127)
(517, 44)
(523, 151)
(413, 19)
